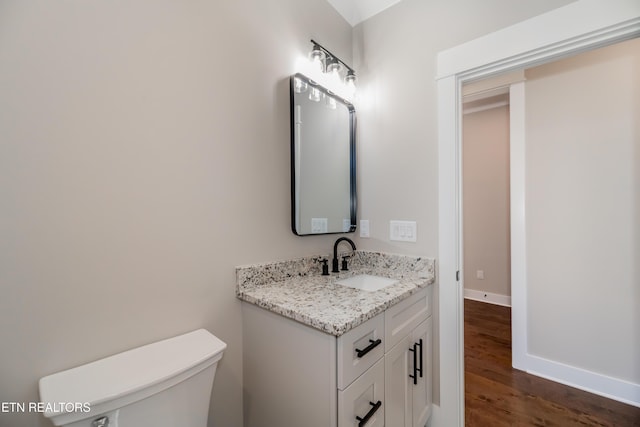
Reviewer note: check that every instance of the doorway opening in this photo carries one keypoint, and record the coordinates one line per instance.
(587, 161)
(540, 39)
(486, 189)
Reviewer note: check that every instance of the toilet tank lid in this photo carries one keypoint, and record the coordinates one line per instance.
(131, 371)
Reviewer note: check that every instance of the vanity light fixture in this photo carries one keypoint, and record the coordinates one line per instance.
(317, 57)
(350, 81)
(332, 65)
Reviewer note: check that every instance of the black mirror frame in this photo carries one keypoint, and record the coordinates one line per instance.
(352, 154)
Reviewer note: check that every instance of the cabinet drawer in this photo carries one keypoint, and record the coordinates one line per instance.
(363, 400)
(359, 349)
(403, 317)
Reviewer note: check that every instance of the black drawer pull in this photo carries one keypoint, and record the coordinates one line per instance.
(370, 347)
(375, 407)
(421, 357)
(415, 364)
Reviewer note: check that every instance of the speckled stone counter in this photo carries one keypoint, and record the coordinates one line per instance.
(297, 290)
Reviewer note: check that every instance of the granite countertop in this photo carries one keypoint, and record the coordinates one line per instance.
(297, 290)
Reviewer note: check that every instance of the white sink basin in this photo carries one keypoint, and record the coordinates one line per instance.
(366, 282)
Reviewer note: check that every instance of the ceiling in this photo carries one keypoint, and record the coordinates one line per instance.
(356, 11)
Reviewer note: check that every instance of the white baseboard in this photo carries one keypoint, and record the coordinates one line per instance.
(487, 297)
(602, 385)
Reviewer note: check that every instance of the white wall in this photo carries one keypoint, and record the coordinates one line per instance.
(144, 152)
(486, 203)
(583, 205)
(395, 56)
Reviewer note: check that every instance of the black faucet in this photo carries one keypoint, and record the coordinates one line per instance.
(335, 254)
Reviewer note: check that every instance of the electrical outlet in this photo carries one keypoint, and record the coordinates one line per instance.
(480, 274)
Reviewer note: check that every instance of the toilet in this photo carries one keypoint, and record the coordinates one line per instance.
(164, 384)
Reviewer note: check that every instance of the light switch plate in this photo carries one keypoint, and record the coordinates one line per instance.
(403, 231)
(364, 228)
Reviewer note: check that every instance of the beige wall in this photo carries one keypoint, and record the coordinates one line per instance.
(583, 205)
(486, 200)
(395, 56)
(144, 152)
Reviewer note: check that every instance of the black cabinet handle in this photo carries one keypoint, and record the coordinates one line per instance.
(421, 357)
(375, 407)
(415, 364)
(373, 344)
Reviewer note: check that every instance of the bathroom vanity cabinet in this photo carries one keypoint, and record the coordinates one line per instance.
(408, 368)
(376, 374)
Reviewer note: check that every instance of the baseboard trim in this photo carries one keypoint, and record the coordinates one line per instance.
(602, 385)
(489, 297)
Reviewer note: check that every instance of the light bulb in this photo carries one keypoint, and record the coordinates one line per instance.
(333, 70)
(333, 66)
(350, 82)
(317, 57)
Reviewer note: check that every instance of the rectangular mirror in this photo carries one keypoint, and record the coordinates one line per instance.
(323, 160)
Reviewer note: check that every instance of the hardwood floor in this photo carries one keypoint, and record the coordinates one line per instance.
(498, 395)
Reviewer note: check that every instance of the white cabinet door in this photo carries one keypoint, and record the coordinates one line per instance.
(408, 379)
(362, 403)
(398, 386)
(422, 398)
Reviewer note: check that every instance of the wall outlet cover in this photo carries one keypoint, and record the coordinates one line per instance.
(403, 231)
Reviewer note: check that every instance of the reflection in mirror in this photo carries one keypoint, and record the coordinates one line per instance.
(323, 181)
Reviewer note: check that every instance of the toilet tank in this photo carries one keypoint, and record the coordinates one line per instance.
(164, 384)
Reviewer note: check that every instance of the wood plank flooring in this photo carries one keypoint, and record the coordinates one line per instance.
(497, 395)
